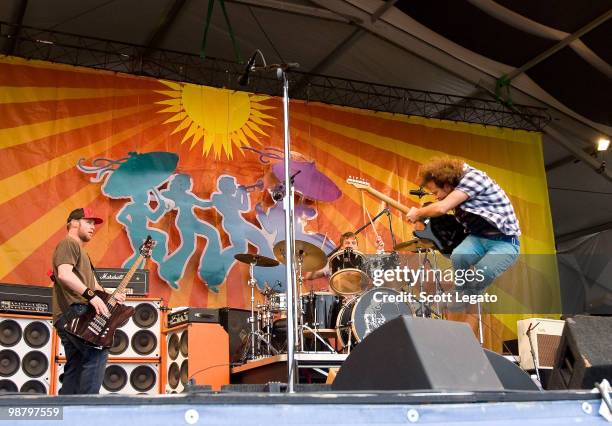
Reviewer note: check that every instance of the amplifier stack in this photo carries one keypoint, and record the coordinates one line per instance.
(197, 349)
(26, 339)
(134, 360)
(151, 353)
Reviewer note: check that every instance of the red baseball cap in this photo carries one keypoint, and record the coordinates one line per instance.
(84, 213)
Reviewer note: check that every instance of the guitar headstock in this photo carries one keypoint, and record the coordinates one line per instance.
(358, 182)
(147, 247)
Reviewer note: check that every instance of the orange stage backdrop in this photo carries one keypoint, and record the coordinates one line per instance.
(54, 117)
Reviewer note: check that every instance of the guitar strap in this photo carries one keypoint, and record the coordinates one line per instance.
(93, 270)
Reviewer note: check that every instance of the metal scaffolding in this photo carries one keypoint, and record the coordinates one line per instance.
(71, 49)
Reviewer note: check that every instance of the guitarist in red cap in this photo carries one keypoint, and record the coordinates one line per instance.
(73, 291)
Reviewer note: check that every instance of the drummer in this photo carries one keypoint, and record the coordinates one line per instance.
(347, 240)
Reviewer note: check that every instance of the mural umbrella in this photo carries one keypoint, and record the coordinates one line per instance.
(310, 182)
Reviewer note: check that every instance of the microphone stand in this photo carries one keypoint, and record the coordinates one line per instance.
(536, 362)
(386, 210)
(288, 204)
(292, 291)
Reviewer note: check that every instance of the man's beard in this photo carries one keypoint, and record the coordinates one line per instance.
(85, 237)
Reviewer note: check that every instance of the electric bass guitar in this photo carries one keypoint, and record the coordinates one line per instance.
(97, 329)
(443, 231)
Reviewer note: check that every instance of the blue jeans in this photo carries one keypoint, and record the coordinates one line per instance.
(490, 257)
(84, 369)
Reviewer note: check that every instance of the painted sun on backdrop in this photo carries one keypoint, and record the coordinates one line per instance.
(219, 119)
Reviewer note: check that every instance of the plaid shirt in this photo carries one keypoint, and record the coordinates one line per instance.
(488, 200)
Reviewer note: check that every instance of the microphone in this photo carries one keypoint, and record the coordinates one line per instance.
(243, 80)
(419, 192)
(283, 66)
(278, 191)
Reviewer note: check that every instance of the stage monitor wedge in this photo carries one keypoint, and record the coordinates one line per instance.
(410, 353)
(584, 356)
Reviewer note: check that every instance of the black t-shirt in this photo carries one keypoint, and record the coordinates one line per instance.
(474, 224)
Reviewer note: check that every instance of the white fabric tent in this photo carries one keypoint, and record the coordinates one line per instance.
(396, 43)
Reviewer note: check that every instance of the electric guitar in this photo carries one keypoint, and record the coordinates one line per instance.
(443, 231)
(97, 329)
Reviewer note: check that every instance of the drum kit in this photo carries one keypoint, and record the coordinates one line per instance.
(328, 322)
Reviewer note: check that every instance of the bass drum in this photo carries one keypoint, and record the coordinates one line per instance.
(361, 316)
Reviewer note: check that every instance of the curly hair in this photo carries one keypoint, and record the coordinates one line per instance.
(441, 171)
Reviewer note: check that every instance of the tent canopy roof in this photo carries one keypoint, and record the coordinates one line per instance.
(444, 46)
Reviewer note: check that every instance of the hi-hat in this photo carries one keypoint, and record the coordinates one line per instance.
(416, 244)
(312, 256)
(256, 259)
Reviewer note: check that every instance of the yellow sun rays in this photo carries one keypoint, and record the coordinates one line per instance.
(219, 119)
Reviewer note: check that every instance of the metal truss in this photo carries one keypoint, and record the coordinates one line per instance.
(54, 46)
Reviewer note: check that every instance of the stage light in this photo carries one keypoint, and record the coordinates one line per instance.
(603, 144)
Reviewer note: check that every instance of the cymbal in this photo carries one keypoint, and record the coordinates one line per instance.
(256, 259)
(416, 244)
(313, 257)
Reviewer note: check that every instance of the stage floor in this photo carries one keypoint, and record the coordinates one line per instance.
(314, 408)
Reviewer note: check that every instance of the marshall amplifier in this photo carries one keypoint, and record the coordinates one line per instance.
(110, 278)
(25, 299)
(193, 315)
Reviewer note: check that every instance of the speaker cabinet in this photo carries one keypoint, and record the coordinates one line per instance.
(410, 353)
(126, 378)
(584, 356)
(197, 351)
(139, 337)
(545, 335)
(25, 354)
(133, 365)
(236, 323)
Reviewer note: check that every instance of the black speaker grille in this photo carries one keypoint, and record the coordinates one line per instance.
(33, 386)
(185, 372)
(145, 315)
(120, 343)
(10, 333)
(35, 364)
(36, 334)
(143, 378)
(9, 362)
(115, 378)
(173, 346)
(8, 386)
(144, 342)
(184, 346)
(173, 375)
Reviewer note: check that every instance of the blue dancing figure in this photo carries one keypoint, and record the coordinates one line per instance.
(135, 217)
(231, 201)
(213, 263)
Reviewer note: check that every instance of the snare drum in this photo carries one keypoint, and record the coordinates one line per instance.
(361, 316)
(349, 272)
(320, 310)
